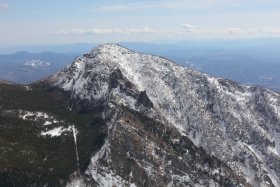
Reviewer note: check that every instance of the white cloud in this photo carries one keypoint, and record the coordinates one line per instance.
(187, 31)
(107, 31)
(188, 27)
(193, 31)
(145, 30)
(246, 31)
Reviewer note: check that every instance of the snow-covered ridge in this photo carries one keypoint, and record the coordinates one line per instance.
(37, 63)
(219, 115)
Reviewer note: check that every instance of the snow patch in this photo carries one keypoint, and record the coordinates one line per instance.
(275, 104)
(77, 182)
(253, 150)
(37, 63)
(58, 131)
(28, 88)
(36, 116)
(274, 150)
(240, 97)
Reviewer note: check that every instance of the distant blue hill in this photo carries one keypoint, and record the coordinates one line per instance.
(248, 61)
(24, 67)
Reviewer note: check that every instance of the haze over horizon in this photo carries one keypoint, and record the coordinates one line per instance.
(151, 93)
(63, 22)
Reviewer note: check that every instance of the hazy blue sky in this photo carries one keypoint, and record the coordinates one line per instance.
(72, 21)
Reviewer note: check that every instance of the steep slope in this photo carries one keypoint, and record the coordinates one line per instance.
(236, 125)
(37, 146)
(165, 125)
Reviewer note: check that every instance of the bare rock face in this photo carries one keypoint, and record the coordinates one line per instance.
(144, 100)
(172, 126)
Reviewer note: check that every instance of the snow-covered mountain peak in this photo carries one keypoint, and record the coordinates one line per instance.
(110, 48)
(104, 59)
(228, 120)
(117, 56)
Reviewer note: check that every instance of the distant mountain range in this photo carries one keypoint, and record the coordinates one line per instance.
(24, 67)
(251, 62)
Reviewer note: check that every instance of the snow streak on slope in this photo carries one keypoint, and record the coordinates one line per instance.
(37, 63)
(58, 131)
(231, 121)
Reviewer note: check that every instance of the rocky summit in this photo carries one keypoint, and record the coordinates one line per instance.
(115, 117)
